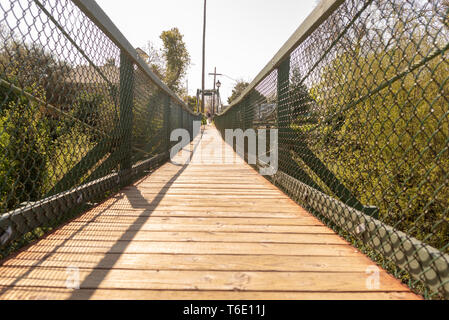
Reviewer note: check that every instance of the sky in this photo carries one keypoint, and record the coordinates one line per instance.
(241, 38)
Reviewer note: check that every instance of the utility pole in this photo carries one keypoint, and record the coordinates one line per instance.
(215, 74)
(198, 105)
(213, 97)
(204, 58)
(218, 100)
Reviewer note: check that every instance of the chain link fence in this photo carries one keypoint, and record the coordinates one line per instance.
(81, 115)
(360, 96)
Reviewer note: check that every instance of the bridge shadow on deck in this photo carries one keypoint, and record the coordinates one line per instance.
(103, 267)
(40, 261)
(95, 278)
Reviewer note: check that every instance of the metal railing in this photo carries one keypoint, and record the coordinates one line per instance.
(360, 96)
(81, 115)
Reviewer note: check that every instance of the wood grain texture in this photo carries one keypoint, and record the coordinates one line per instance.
(198, 230)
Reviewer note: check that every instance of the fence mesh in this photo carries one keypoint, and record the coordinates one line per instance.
(361, 106)
(79, 117)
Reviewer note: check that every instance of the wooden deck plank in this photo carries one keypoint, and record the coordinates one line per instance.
(199, 237)
(196, 231)
(306, 221)
(193, 262)
(191, 214)
(257, 204)
(36, 293)
(199, 280)
(106, 227)
(172, 208)
(74, 246)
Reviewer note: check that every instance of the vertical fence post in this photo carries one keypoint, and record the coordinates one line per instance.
(126, 116)
(283, 94)
(283, 79)
(243, 115)
(249, 120)
(167, 123)
(286, 162)
(289, 165)
(190, 126)
(181, 118)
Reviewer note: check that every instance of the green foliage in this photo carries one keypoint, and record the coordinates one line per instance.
(39, 143)
(32, 67)
(148, 122)
(176, 56)
(87, 108)
(171, 62)
(301, 102)
(191, 103)
(68, 149)
(25, 145)
(238, 90)
(391, 148)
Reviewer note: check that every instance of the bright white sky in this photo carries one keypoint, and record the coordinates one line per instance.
(242, 35)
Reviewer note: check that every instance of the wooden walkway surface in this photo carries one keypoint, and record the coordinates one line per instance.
(196, 231)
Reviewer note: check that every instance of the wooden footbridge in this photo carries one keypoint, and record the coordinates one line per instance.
(196, 231)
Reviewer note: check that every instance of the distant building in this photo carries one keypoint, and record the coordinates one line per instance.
(265, 111)
(108, 74)
(142, 54)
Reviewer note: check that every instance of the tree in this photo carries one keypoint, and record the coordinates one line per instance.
(390, 146)
(154, 58)
(238, 90)
(302, 105)
(172, 61)
(176, 56)
(30, 65)
(191, 102)
(24, 128)
(444, 12)
(39, 143)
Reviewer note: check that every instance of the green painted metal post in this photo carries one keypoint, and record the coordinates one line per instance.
(243, 114)
(181, 118)
(287, 144)
(126, 116)
(167, 123)
(283, 94)
(286, 162)
(190, 123)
